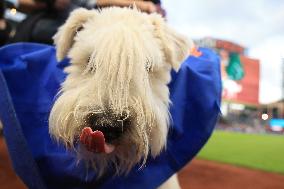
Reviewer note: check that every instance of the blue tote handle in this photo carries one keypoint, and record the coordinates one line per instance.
(23, 161)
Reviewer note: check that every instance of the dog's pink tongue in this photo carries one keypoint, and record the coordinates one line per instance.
(95, 141)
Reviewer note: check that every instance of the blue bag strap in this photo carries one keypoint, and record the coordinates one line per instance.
(23, 161)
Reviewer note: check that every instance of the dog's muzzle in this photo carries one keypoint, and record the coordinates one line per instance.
(103, 130)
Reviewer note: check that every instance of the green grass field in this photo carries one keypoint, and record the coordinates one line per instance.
(265, 152)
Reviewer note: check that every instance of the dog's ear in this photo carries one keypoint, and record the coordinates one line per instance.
(64, 38)
(176, 47)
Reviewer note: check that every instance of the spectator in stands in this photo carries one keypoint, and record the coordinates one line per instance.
(47, 15)
(27, 6)
(5, 28)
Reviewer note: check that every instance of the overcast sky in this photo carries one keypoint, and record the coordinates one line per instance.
(255, 24)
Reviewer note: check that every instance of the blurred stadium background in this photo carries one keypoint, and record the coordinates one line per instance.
(247, 148)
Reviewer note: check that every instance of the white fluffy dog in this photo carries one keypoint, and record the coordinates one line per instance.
(113, 106)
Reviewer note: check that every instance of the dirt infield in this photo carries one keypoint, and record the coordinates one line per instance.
(8, 179)
(200, 174)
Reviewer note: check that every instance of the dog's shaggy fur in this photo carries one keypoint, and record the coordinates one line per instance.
(120, 67)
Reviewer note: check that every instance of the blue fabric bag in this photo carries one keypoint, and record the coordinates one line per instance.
(30, 78)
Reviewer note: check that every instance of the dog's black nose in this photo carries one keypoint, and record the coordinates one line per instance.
(111, 125)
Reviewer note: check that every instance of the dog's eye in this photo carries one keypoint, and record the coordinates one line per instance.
(78, 29)
(148, 65)
(89, 58)
(91, 66)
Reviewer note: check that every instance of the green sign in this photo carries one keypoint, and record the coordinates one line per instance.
(235, 68)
